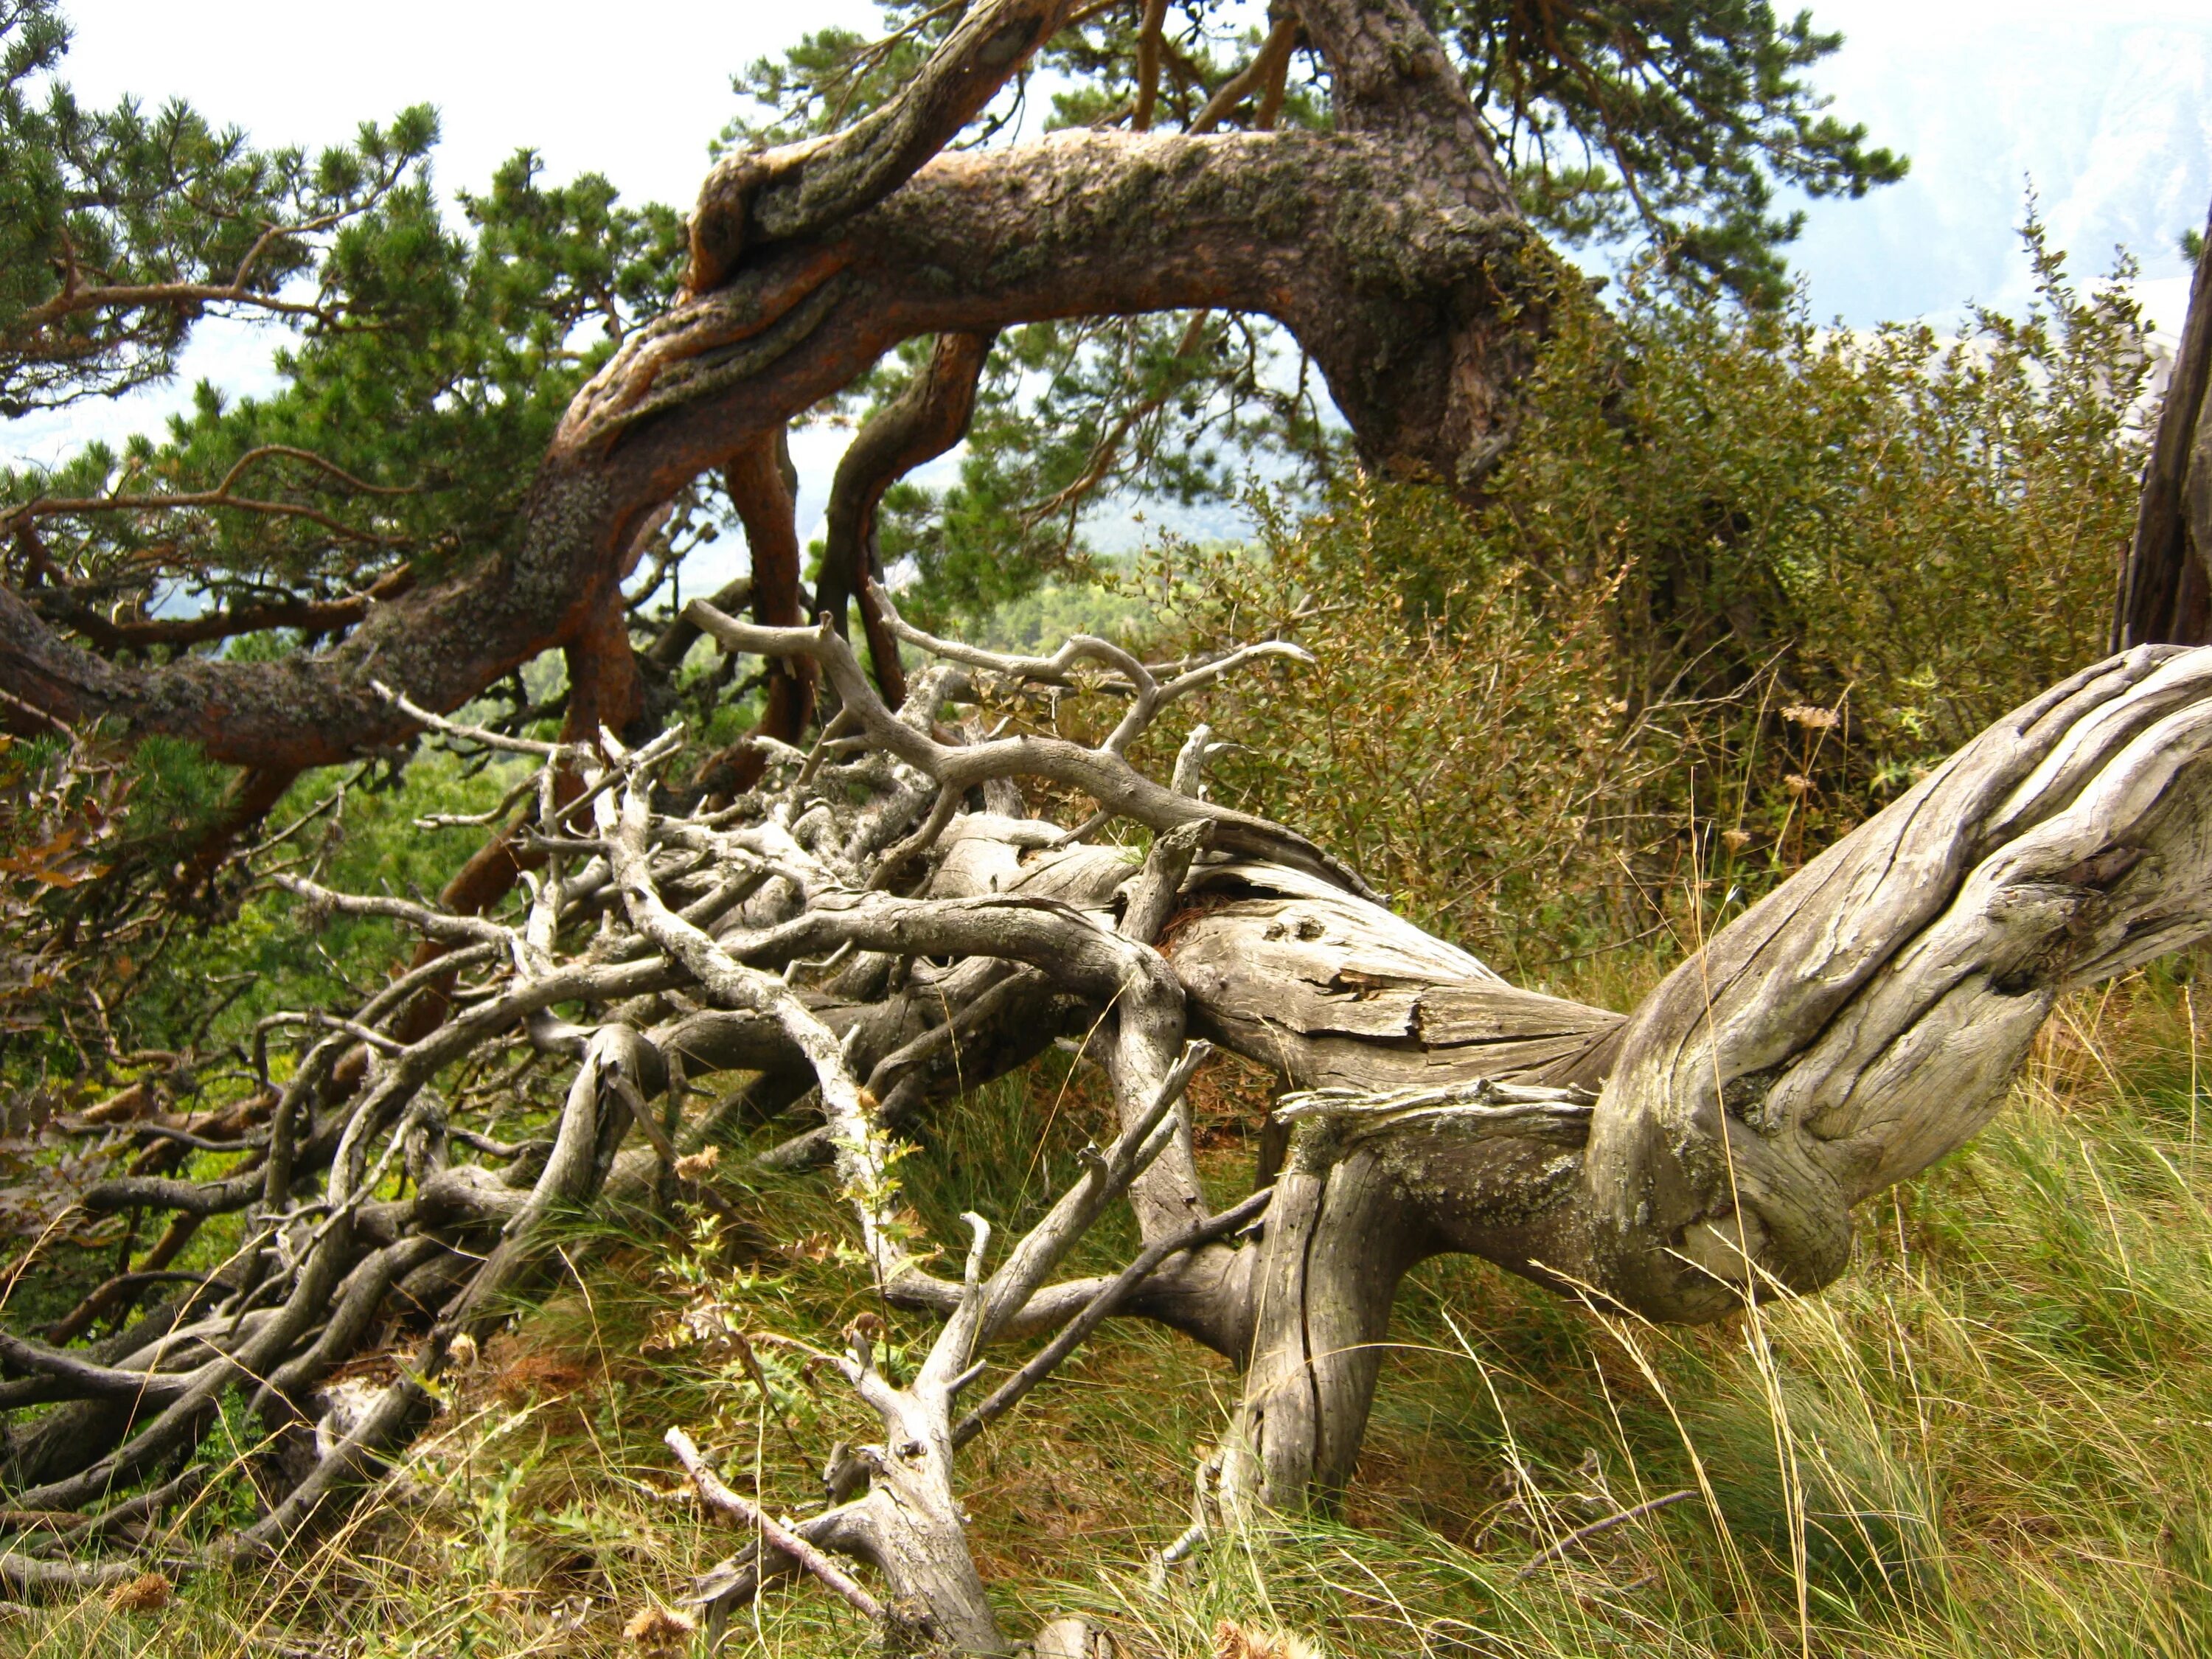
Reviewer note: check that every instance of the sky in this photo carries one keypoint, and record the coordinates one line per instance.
(2106, 110)
(637, 99)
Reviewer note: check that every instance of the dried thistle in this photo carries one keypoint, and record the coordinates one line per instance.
(148, 1593)
(697, 1166)
(1235, 1641)
(657, 1630)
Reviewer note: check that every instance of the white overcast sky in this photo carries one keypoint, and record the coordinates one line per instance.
(2106, 108)
(634, 93)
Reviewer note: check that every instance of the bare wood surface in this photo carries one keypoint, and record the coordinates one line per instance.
(2165, 586)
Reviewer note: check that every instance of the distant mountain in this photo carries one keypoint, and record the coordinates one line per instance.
(2107, 109)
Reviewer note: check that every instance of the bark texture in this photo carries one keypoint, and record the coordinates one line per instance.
(1391, 248)
(2166, 587)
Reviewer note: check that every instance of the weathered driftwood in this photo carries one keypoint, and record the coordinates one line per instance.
(1858, 1024)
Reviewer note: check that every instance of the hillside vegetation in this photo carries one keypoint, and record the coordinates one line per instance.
(1739, 583)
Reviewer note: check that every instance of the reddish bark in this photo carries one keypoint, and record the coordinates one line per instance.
(604, 688)
(928, 419)
(1391, 248)
(761, 485)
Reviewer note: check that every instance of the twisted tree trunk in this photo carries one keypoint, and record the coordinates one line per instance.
(1858, 1024)
(1390, 247)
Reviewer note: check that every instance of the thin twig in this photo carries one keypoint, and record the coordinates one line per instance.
(1115, 1292)
(1606, 1525)
(716, 1495)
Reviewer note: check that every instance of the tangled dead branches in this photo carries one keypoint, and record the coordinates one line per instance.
(881, 925)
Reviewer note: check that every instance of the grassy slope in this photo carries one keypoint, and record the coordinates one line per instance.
(1994, 1436)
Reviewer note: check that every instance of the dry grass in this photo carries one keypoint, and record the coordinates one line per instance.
(1994, 1437)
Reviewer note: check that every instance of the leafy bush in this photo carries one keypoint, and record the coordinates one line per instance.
(1741, 582)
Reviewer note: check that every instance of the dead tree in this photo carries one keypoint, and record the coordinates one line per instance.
(879, 926)
(873, 922)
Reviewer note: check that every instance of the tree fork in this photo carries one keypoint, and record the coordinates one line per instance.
(1859, 1024)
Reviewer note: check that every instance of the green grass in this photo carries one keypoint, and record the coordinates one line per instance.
(1993, 1436)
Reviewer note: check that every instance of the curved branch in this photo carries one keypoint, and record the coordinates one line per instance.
(1863, 1020)
(223, 495)
(309, 616)
(925, 420)
(82, 1378)
(1422, 314)
(2165, 586)
(803, 189)
(764, 486)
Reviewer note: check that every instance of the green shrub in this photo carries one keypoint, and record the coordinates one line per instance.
(1741, 582)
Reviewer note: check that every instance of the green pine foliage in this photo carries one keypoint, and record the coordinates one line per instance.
(1677, 124)
(407, 426)
(430, 349)
(123, 199)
